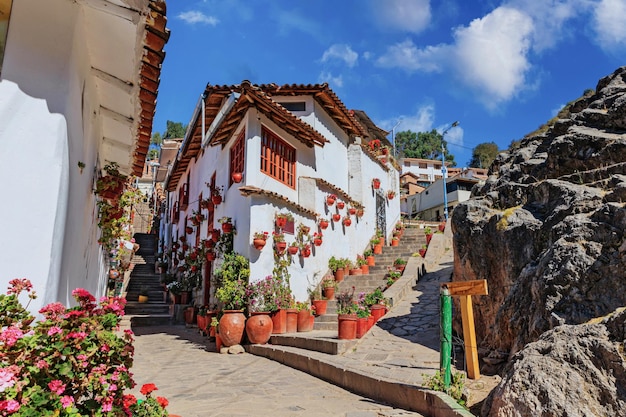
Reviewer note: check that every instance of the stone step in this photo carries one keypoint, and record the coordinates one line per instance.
(135, 308)
(150, 320)
(324, 341)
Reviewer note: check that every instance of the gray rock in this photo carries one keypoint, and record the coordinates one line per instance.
(236, 349)
(573, 370)
(546, 229)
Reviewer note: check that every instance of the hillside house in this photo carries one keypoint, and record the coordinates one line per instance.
(293, 146)
(78, 87)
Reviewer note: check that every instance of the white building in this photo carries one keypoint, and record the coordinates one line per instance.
(294, 144)
(78, 85)
(428, 204)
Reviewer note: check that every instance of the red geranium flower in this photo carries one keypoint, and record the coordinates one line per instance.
(148, 388)
(162, 401)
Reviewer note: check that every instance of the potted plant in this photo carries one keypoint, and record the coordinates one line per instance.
(282, 219)
(346, 314)
(318, 304)
(362, 264)
(395, 241)
(429, 234)
(293, 248)
(305, 317)
(336, 265)
(422, 251)
(341, 205)
(391, 194)
(360, 212)
(329, 285)
(111, 186)
(376, 183)
(305, 250)
(369, 256)
(323, 224)
(237, 177)
(279, 242)
(175, 289)
(330, 199)
(317, 238)
(259, 325)
(399, 264)
(352, 210)
(376, 302)
(336, 217)
(227, 224)
(232, 290)
(377, 247)
(347, 221)
(303, 229)
(259, 240)
(362, 316)
(216, 194)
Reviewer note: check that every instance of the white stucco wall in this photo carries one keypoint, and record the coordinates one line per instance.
(49, 121)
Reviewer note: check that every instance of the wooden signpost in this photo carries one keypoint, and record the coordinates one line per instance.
(465, 290)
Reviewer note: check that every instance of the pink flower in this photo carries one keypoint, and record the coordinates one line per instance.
(18, 285)
(11, 335)
(7, 379)
(105, 348)
(9, 405)
(56, 386)
(52, 310)
(76, 335)
(83, 294)
(107, 405)
(41, 364)
(54, 330)
(67, 401)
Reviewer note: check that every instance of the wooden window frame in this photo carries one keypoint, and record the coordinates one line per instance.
(175, 212)
(237, 156)
(278, 158)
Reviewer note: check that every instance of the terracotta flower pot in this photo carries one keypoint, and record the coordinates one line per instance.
(347, 326)
(329, 293)
(330, 201)
(352, 211)
(395, 242)
(210, 256)
(292, 320)
(442, 226)
(216, 199)
(258, 244)
(259, 328)
(227, 227)
(317, 242)
(336, 217)
(378, 310)
(237, 177)
(323, 224)
(320, 307)
(281, 222)
(232, 324)
(189, 230)
(293, 250)
(365, 269)
(378, 249)
(371, 260)
(305, 252)
(341, 205)
(356, 271)
(361, 327)
(347, 222)
(279, 320)
(376, 184)
(339, 275)
(304, 321)
(215, 235)
(422, 252)
(428, 238)
(280, 247)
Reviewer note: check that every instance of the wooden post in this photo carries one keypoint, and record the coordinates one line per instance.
(465, 289)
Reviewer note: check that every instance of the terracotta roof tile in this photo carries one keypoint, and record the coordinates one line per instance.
(247, 191)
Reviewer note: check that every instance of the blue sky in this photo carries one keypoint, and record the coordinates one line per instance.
(500, 68)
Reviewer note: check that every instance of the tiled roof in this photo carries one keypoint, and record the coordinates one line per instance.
(156, 36)
(338, 191)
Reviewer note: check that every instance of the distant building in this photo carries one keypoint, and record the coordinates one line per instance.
(428, 203)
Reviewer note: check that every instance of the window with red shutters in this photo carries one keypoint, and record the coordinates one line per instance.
(278, 158)
(237, 155)
(175, 213)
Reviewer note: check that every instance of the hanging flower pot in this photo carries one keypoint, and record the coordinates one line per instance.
(391, 194)
(360, 212)
(341, 205)
(305, 252)
(281, 222)
(185, 248)
(330, 199)
(347, 221)
(317, 241)
(323, 224)
(215, 235)
(209, 244)
(292, 250)
(189, 230)
(305, 229)
(336, 217)
(210, 256)
(183, 238)
(227, 227)
(258, 244)
(280, 247)
(376, 183)
(237, 177)
(352, 211)
(216, 199)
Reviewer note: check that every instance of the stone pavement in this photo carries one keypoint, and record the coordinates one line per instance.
(199, 383)
(388, 363)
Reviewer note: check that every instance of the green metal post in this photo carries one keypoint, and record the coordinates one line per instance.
(446, 336)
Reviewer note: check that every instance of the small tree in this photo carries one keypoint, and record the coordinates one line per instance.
(483, 155)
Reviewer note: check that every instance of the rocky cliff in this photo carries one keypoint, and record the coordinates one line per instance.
(547, 228)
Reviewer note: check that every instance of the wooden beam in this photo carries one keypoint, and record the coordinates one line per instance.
(469, 337)
(476, 287)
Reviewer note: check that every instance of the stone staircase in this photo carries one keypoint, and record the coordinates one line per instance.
(324, 336)
(156, 310)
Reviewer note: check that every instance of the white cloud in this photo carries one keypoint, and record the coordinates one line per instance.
(327, 77)
(491, 54)
(609, 19)
(341, 52)
(454, 136)
(404, 15)
(421, 121)
(409, 57)
(192, 17)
